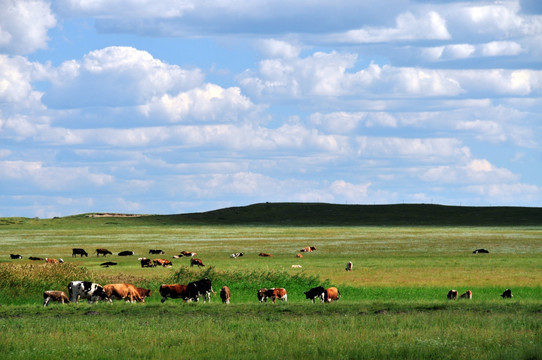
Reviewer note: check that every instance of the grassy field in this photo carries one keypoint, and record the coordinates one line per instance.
(392, 305)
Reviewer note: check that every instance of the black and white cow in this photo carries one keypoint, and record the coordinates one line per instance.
(126, 253)
(236, 255)
(199, 288)
(156, 251)
(15, 256)
(86, 290)
(316, 292)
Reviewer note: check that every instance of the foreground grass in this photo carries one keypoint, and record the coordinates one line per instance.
(366, 330)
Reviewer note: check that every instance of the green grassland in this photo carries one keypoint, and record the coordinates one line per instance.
(393, 304)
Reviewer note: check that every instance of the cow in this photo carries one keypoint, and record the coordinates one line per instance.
(452, 295)
(156, 252)
(53, 261)
(174, 291)
(265, 254)
(108, 264)
(236, 255)
(78, 251)
(349, 266)
(35, 258)
(480, 251)
(296, 266)
(225, 294)
(146, 262)
(126, 292)
(332, 294)
(15, 256)
(86, 290)
(126, 253)
(161, 262)
(187, 254)
(54, 295)
(273, 293)
(308, 249)
(196, 262)
(299, 256)
(316, 292)
(143, 293)
(199, 288)
(507, 294)
(466, 295)
(104, 252)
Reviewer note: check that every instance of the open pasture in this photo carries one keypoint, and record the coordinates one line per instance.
(392, 306)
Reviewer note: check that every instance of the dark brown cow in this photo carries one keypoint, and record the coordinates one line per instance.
(196, 262)
(331, 294)
(104, 252)
(466, 295)
(127, 292)
(79, 251)
(53, 261)
(54, 295)
(265, 254)
(225, 294)
(35, 258)
(146, 262)
(143, 293)
(273, 293)
(174, 291)
(162, 262)
(452, 295)
(349, 266)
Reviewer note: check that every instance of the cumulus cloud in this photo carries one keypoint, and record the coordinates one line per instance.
(473, 171)
(16, 77)
(465, 51)
(24, 25)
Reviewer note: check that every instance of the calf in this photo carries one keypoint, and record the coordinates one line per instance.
(15, 256)
(507, 294)
(174, 291)
(54, 295)
(199, 288)
(225, 295)
(480, 251)
(452, 295)
(53, 261)
(265, 254)
(156, 252)
(86, 290)
(349, 266)
(78, 251)
(104, 252)
(126, 292)
(162, 262)
(143, 293)
(126, 253)
(316, 292)
(296, 266)
(299, 256)
(466, 295)
(331, 294)
(196, 262)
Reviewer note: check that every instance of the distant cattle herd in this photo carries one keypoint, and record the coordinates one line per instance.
(93, 292)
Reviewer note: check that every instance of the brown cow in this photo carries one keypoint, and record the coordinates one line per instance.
(331, 294)
(188, 253)
(308, 249)
(174, 291)
(53, 261)
(161, 262)
(452, 295)
(143, 293)
(273, 293)
(466, 295)
(265, 254)
(104, 252)
(299, 256)
(196, 262)
(127, 292)
(146, 262)
(54, 295)
(225, 294)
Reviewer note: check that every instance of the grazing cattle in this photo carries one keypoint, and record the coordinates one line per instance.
(35, 258)
(174, 291)
(316, 292)
(480, 251)
(199, 288)
(108, 264)
(104, 252)
(308, 249)
(349, 266)
(452, 295)
(273, 293)
(156, 252)
(54, 295)
(507, 294)
(296, 266)
(196, 262)
(299, 256)
(225, 295)
(161, 262)
(78, 251)
(146, 262)
(466, 295)
(126, 253)
(331, 294)
(86, 290)
(187, 254)
(236, 255)
(53, 261)
(143, 293)
(265, 254)
(126, 292)
(15, 256)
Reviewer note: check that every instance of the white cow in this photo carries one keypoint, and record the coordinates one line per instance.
(86, 290)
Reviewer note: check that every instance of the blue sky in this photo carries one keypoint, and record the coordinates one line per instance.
(168, 106)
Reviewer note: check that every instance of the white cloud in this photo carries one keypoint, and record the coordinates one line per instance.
(465, 51)
(277, 48)
(474, 171)
(16, 77)
(24, 25)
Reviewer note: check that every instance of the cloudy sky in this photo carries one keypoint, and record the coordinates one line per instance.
(175, 106)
